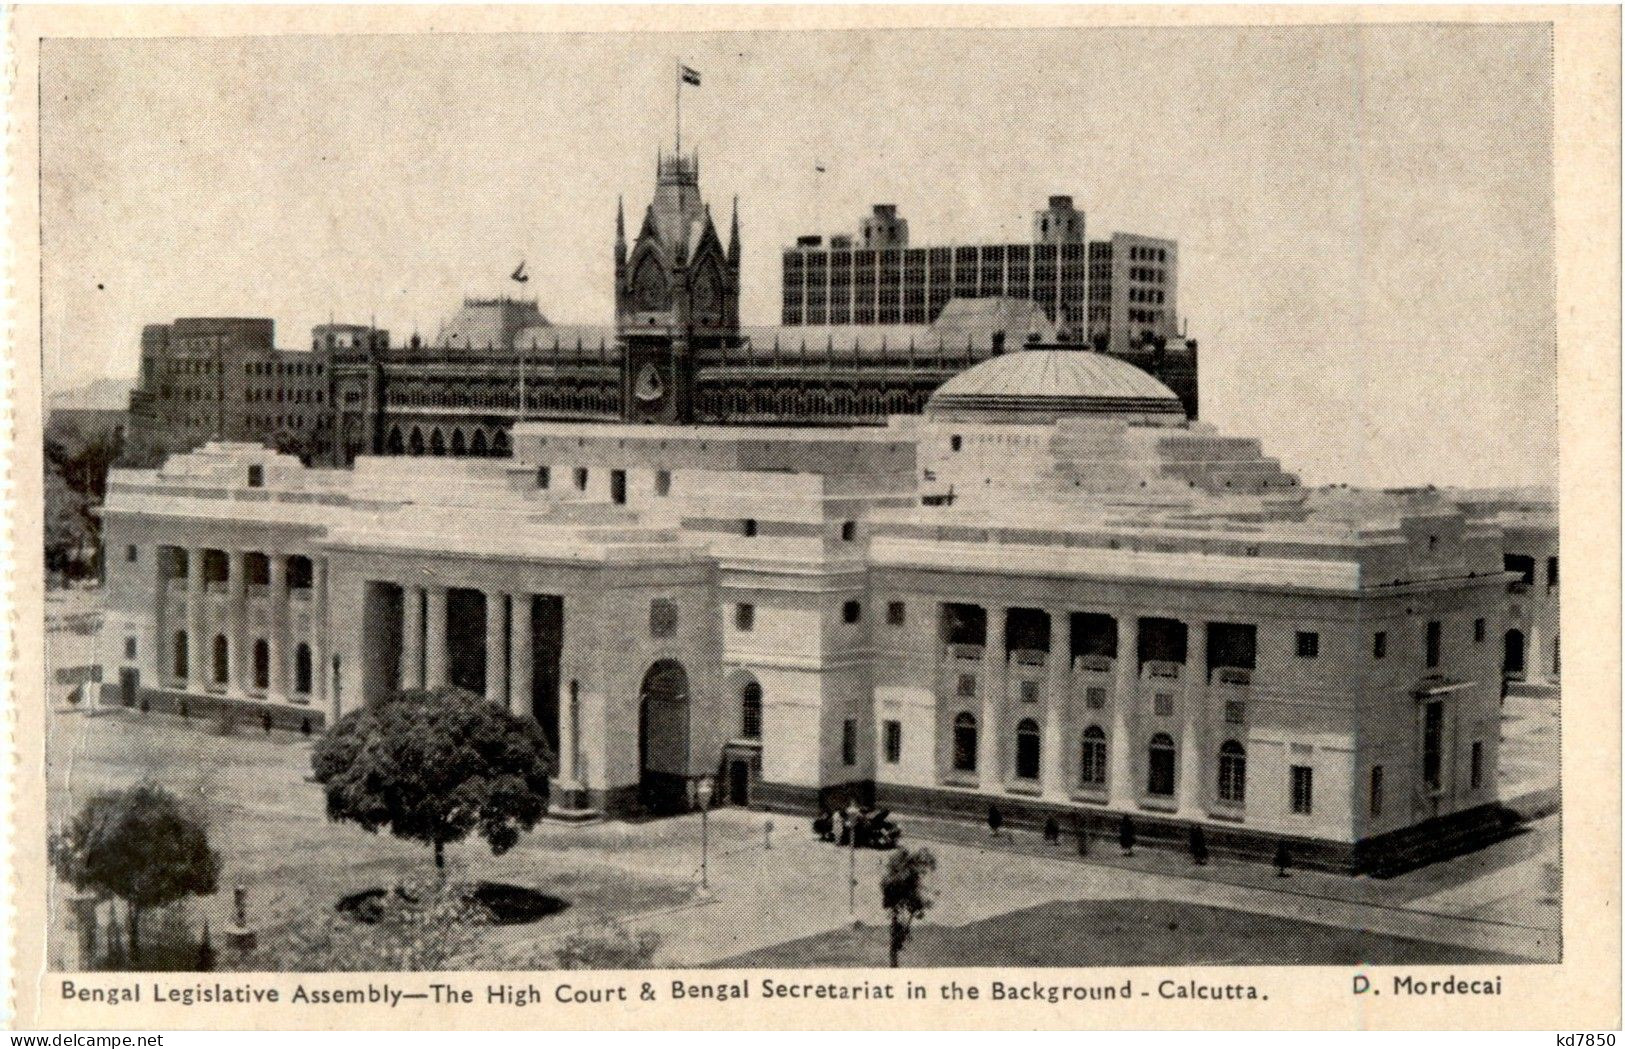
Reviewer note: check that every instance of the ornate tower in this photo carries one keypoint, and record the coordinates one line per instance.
(676, 292)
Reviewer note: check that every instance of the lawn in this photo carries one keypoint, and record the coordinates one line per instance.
(268, 822)
(1113, 933)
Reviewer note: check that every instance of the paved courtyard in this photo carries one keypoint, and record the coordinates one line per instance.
(769, 888)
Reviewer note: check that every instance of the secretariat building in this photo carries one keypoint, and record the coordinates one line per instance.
(1048, 589)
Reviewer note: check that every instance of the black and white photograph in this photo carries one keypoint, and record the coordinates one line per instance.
(769, 505)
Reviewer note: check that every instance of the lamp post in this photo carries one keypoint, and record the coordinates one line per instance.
(703, 795)
(852, 862)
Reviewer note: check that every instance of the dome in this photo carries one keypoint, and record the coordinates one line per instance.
(1042, 385)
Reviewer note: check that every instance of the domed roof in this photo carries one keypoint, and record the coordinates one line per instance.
(1041, 385)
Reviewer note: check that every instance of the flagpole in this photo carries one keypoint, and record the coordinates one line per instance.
(679, 72)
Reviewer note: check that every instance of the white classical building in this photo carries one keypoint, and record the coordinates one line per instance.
(1052, 594)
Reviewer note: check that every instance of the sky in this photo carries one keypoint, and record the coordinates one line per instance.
(1364, 214)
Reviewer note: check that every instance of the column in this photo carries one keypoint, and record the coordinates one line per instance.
(278, 640)
(1058, 689)
(520, 702)
(196, 650)
(434, 651)
(238, 657)
(496, 655)
(567, 731)
(994, 672)
(320, 645)
(411, 637)
(1125, 694)
(1193, 761)
(1534, 667)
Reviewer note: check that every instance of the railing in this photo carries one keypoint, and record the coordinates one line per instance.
(1028, 657)
(1518, 587)
(1157, 668)
(1237, 676)
(970, 652)
(1094, 664)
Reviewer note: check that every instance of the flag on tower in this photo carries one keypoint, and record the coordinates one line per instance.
(691, 76)
(519, 274)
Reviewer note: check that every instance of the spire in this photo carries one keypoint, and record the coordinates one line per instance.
(733, 236)
(620, 231)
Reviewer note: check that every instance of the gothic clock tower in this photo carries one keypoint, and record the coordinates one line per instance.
(676, 293)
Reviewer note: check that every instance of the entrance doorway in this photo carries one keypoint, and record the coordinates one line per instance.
(739, 783)
(129, 683)
(663, 739)
(1512, 660)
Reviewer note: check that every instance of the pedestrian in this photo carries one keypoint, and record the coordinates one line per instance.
(995, 819)
(1198, 845)
(1283, 859)
(1125, 835)
(1052, 831)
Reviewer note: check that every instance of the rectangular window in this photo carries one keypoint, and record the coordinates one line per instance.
(1477, 772)
(1551, 571)
(1376, 790)
(745, 617)
(894, 742)
(1303, 789)
(662, 482)
(617, 487)
(1163, 704)
(581, 478)
(1379, 645)
(1308, 644)
(967, 686)
(1095, 698)
(1029, 692)
(544, 477)
(849, 742)
(1480, 630)
(896, 613)
(130, 553)
(1235, 712)
(852, 612)
(1435, 641)
(256, 476)
(129, 648)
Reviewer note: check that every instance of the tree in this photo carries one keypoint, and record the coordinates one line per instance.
(903, 893)
(138, 845)
(69, 526)
(1125, 835)
(995, 819)
(434, 765)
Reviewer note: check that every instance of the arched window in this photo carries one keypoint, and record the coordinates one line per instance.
(301, 669)
(965, 742)
(1160, 766)
(437, 443)
(262, 664)
(459, 447)
(415, 445)
(479, 447)
(499, 444)
(1027, 749)
(1092, 767)
(750, 711)
(182, 664)
(1232, 773)
(396, 445)
(221, 659)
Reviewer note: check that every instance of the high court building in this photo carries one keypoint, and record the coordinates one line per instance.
(1051, 591)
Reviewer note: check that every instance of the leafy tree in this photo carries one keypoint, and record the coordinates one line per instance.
(903, 893)
(434, 765)
(69, 525)
(140, 846)
(422, 926)
(292, 442)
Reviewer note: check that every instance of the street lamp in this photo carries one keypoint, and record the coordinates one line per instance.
(852, 862)
(703, 795)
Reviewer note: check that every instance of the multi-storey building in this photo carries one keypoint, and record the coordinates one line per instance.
(883, 280)
(222, 378)
(1052, 592)
(1133, 293)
